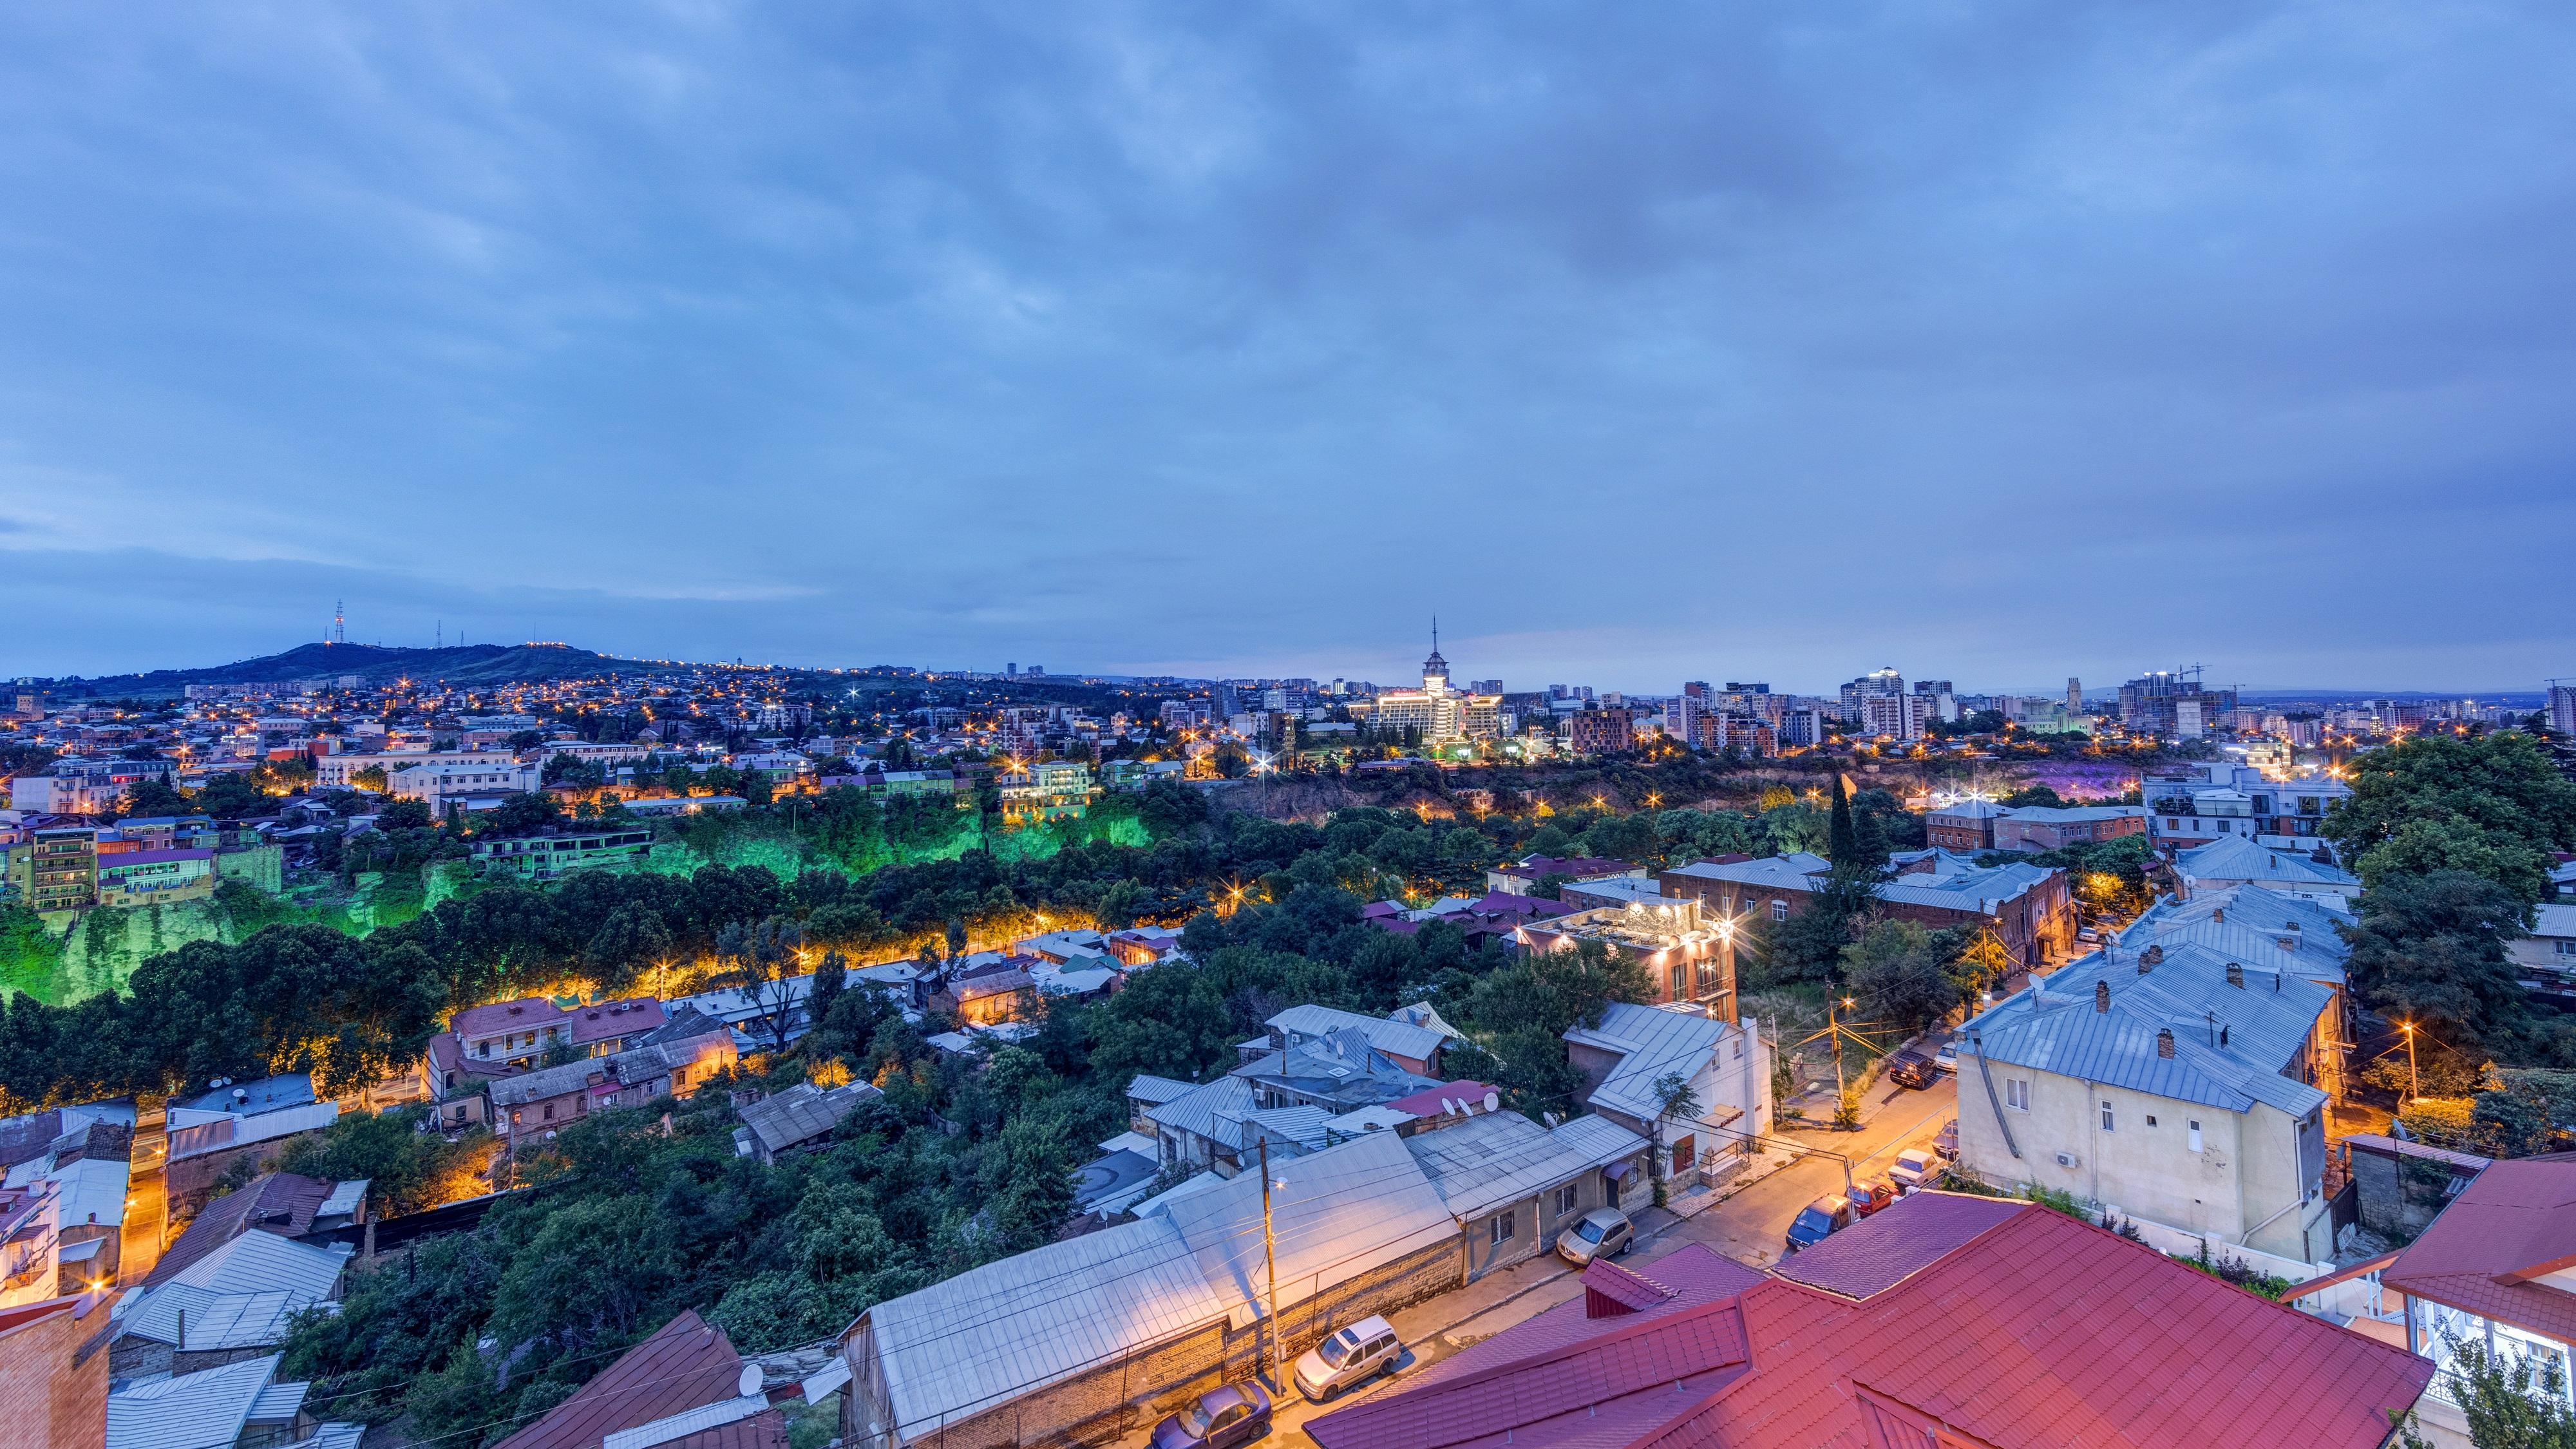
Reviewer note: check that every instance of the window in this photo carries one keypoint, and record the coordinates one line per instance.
(2564, 948)
(1504, 1227)
(2151, 1121)
(1566, 1197)
(2194, 1130)
(2106, 1117)
(1779, 910)
(2017, 1094)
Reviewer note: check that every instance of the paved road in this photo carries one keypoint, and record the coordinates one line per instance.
(1753, 1225)
(139, 1244)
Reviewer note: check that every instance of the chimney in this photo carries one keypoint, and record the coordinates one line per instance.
(2165, 1043)
(2219, 916)
(2236, 975)
(2152, 956)
(2101, 996)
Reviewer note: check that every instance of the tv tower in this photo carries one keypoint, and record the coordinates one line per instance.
(339, 623)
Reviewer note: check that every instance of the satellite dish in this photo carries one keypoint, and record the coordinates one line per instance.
(750, 1381)
(1493, 1101)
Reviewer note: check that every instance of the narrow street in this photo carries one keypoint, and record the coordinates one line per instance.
(1750, 1226)
(139, 1244)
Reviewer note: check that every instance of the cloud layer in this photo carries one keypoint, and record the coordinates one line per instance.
(2001, 343)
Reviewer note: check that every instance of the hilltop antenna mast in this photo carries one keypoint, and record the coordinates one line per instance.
(339, 622)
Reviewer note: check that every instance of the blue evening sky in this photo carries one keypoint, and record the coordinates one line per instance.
(1999, 342)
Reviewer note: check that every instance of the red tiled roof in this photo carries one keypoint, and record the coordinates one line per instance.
(525, 1014)
(241, 1211)
(2514, 1221)
(2030, 1330)
(687, 1365)
(615, 1018)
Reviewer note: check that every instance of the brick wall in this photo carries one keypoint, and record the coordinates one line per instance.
(51, 1396)
(1123, 1396)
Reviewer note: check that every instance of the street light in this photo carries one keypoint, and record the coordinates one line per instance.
(2414, 1093)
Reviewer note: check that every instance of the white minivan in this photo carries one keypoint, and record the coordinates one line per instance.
(1366, 1347)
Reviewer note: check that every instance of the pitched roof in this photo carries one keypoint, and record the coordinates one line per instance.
(803, 1112)
(1650, 1041)
(525, 1014)
(1489, 1161)
(1796, 871)
(280, 1202)
(2513, 1223)
(2043, 1331)
(2230, 1042)
(238, 1294)
(1402, 1038)
(1158, 1090)
(1011, 1327)
(2237, 857)
(204, 1410)
(687, 1364)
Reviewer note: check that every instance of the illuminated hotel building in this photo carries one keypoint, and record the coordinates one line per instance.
(1437, 710)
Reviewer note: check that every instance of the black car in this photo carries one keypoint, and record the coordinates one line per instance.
(1913, 1069)
(1221, 1419)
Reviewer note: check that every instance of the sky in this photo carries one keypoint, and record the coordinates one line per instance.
(1638, 343)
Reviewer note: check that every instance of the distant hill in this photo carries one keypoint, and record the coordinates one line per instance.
(464, 664)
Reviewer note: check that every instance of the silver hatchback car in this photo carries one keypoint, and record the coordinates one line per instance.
(1600, 1233)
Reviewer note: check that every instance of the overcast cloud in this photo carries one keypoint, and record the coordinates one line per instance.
(1998, 342)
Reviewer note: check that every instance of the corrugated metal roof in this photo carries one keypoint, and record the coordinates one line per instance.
(2054, 1027)
(92, 1191)
(1402, 1038)
(336, 1436)
(1035, 1318)
(190, 1411)
(1598, 1140)
(259, 1261)
(687, 1362)
(279, 1402)
(2028, 1331)
(2237, 858)
(1651, 1041)
(1158, 1090)
(1490, 1161)
(1335, 1214)
(1214, 1111)
(675, 1427)
(804, 1112)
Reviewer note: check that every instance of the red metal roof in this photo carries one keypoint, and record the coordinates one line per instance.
(687, 1365)
(525, 1014)
(615, 1019)
(1857, 1265)
(2514, 1221)
(2032, 1329)
(1426, 1103)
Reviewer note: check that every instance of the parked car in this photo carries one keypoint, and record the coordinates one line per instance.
(1947, 1058)
(1822, 1218)
(1601, 1233)
(1366, 1348)
(1872, 1196)
(1947, 1141)
(1912, 1069)
(1916, 1167)
(2088, 935)
(1222, 1418)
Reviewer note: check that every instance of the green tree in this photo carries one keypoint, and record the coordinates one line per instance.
(151, 797)
(1901, 974)
(1842, 842)
(2512, 1400)
(2431, 949)
(2499, 787)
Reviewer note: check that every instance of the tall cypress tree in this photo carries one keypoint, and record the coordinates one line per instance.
(1842, 843)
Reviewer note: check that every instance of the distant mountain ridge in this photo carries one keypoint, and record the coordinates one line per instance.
(374, 663)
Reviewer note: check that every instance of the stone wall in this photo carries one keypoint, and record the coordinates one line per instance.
(1126, 1395)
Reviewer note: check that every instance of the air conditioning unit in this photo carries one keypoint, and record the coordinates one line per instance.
(2066, 1159)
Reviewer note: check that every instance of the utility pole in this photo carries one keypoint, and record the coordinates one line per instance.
(1270, 1267)
(2414, 1093)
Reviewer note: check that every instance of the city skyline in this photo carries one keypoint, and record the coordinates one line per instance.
(1171, 342)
